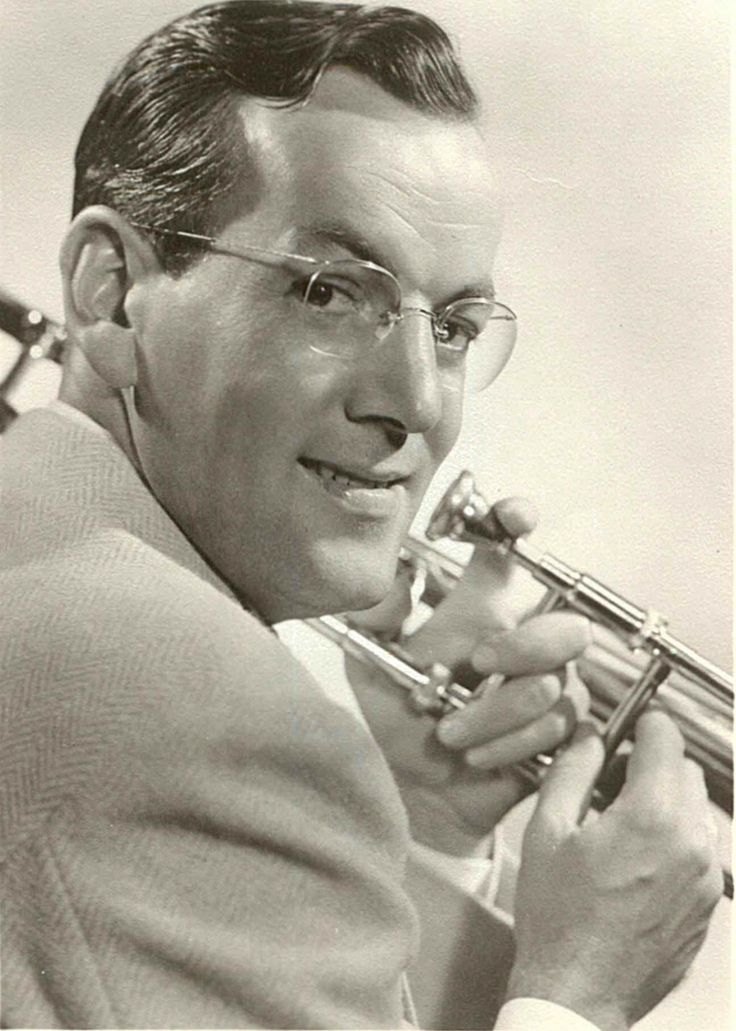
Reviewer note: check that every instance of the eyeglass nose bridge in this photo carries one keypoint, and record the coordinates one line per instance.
(390, 319)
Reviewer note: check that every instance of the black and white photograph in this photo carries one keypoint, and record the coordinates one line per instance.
(366, 480)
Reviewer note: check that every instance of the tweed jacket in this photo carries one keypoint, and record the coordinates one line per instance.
(191, 833)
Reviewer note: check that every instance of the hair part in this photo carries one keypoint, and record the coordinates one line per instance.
(163, 145)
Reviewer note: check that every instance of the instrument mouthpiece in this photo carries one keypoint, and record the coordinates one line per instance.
(463, 514)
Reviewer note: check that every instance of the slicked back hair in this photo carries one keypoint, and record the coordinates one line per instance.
(162, 144)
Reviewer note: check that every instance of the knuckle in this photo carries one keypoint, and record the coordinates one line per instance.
(651, 820)
(696, 777)
(518, 708)
(716, 886)
(710, 889)
(576, 697)
(544, 691)
(693, 768)
(524, 700)
(581, 701)
(655, 720)
(694, 848)
(700, 858)
(503, 622)
(544, 829)
(583, 633)
(559, 724)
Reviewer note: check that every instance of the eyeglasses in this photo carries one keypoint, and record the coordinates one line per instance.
(349, 305)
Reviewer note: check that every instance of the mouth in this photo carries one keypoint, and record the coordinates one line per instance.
(358, 491)
(333, 477)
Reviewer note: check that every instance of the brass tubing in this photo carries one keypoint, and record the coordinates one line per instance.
(712, 751)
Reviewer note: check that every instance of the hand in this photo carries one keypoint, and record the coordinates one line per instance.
(609, 915)
(454, 774)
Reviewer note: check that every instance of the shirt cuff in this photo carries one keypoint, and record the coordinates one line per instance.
(477, 876)
(539, 1015)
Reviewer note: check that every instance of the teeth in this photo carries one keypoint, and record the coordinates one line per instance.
(330, 476)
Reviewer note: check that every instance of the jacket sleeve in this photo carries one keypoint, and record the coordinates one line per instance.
(210, 843)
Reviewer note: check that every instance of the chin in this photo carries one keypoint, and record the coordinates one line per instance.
(358, 599)
(360, 593)
(348, 584)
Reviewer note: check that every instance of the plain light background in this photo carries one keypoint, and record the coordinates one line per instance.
(610, 126)
(609, 121)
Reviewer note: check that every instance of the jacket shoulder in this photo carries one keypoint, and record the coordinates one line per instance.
(125, 675)
(207, 810)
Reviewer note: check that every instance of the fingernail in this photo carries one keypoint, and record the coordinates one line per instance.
(451, 730)
(485, 658)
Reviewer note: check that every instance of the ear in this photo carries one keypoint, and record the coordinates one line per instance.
(102, 260)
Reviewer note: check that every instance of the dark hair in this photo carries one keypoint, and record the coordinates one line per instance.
(161, 145)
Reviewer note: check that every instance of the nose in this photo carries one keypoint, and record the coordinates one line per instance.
(398, 382)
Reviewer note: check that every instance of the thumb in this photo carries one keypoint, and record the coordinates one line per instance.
(566, 790)
(516, 516)
(487, 597)
(513, 517)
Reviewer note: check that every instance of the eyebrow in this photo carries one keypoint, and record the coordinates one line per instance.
(345, 236)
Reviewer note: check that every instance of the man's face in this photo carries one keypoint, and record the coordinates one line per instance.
(244, 421)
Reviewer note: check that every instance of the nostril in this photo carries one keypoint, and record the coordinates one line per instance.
(396, 432)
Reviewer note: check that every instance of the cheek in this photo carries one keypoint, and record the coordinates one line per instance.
(207, 365)
(263, 415)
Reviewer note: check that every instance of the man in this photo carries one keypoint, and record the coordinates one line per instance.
(277, 287)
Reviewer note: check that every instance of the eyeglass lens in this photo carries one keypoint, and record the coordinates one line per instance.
(359, 304)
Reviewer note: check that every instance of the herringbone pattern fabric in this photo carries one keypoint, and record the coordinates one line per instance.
(190, 833)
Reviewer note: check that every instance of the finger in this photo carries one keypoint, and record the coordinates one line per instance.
(500, 708)
(697, 790)
(566, 789)
(482, 601)
(516, 516)
(542, 643)
(696, 807)
(576, 690)
(656, 767)
(494, 568)
(544, 735)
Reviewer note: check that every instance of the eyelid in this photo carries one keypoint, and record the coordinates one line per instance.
(455, 308)
(471, 293)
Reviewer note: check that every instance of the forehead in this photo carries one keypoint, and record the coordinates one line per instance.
(419, 189)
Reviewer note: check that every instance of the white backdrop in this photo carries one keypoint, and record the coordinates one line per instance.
(610, 126)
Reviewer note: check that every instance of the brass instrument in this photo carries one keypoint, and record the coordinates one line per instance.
(632, 657)
(692, 689)
(39, 337)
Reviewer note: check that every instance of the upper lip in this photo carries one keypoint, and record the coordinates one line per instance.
(358, 472)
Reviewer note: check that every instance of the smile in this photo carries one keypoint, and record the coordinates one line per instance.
(332, 477)
(360, 494)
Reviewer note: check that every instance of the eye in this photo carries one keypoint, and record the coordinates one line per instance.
(455, 336)
(334, 295)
